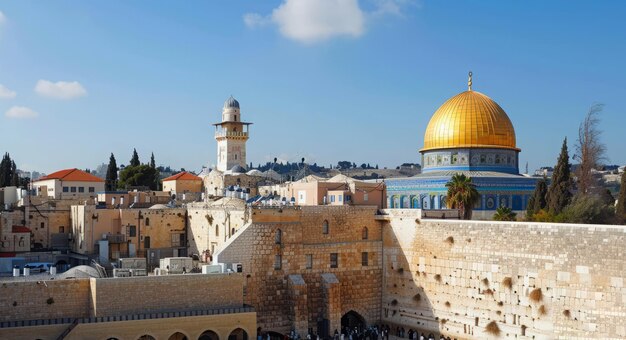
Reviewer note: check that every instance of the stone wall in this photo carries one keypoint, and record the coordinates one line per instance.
(33, 300)
(532, 280)
(212, 224)
(165, 293)
(277, 277)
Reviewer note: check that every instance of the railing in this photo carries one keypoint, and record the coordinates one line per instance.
(231, 134)
(130, 317)
(116, 238)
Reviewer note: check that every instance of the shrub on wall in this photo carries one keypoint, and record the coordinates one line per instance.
(507, 282)
(492, 328)
(536, 295)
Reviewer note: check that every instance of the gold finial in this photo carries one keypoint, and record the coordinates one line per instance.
(469, 81)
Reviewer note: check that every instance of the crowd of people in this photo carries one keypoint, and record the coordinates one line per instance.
(375, 332)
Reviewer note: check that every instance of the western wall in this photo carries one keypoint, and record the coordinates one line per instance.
(484, 279)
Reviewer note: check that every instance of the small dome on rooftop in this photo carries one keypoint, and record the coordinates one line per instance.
(237, 169)
(231, 103)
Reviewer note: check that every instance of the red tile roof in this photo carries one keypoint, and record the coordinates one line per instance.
(183, 176)
(20, 229)
(73, 175)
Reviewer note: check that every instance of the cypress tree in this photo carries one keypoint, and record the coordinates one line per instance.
(530, 207)
(152, 162)
(621, 199)
(111, 178)
(559, 194)
(15, 180)
(541, 191)
(5, 171)
(134, 161)
(538, 200)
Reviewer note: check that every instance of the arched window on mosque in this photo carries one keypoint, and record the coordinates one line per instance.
(278, 238)
(365, 233)
(325, 227)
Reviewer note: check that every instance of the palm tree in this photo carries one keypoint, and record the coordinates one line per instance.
(504, 214)
(462, 195)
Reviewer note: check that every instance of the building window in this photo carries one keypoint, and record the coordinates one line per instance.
(340, 197)
(325, 227)
(217, 230)
(81, 189)
(348, 198)
(147, 221)
(178, 240)
(364, 259)
(66, 189)
(365, 233)
(92, 189)
(365, 197)
(334, 261)
(278, 262)
(61, 229)
(278, 238)
(309, 261)
(42, 225)
(72, 189)
(332, 198)
(132, 231)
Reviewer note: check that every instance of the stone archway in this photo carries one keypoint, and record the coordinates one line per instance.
(146, 337)
(353, 320)
(238, 334)
(178, 336)
(209, 335)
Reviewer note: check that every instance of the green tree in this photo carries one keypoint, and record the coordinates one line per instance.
(462, 195)
(152, 162)
(111, 177)
(620, 210)
(538, 199)
(587, 209)
(15, 180)
(559, 193)
(504, 214)
(134, 161)
(607, 198)
(138, 176)
(5, 171)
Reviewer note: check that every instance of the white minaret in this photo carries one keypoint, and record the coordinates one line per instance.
(231, 135)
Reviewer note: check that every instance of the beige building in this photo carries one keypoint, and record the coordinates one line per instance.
(338, 190)
(153, 233)
(181, 183)
(13, 238)
(69, 183)
(127, 199)
(213, 223)
(173, 307)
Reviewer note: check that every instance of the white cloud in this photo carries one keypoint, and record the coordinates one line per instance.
(21, 112)
(5, 93)
(312, 21)
(60, 89)
(254, 20)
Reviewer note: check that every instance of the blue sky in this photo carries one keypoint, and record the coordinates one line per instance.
(327, 80)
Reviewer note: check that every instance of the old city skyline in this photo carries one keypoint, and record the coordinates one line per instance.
(548, 74)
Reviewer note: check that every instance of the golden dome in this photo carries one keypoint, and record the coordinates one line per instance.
(469, 120)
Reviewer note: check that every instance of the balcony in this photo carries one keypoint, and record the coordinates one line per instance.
(239, 134)
(119, 238)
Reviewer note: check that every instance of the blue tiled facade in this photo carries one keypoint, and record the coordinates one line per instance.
(429, 192)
